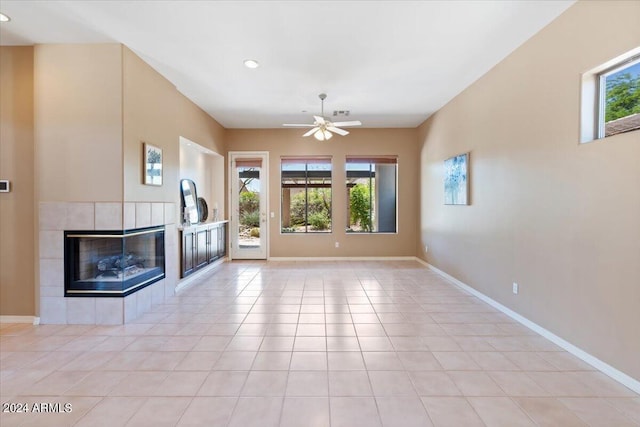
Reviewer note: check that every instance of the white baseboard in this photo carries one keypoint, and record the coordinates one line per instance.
(344, 258)
(603, 367)
(34, 320)
(192, 278)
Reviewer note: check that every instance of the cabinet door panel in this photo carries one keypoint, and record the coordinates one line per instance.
(222, 240)
(188, 244)
(213, 244)
(202, 246)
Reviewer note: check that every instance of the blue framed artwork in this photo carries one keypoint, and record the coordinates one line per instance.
(456, 180)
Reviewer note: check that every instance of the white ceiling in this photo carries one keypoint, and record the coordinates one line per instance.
(391, 63)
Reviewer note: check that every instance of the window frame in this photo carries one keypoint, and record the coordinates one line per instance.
(372, 161)
(590, 96)
(306, 160)
(601, 92)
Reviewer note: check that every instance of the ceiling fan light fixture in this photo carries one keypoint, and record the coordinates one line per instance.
(322, 135)
(251, 63)
(322, 129)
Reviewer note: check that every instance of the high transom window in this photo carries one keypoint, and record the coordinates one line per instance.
(610, 98)
(619, 96)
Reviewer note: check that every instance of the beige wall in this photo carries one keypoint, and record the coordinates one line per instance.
(206, 170)
(155, 112)
(78, 116)
(197, 166)
(198, 126)
(288, 142)
(73, 121)
(559, 218)
(150, 114)
(17, 251)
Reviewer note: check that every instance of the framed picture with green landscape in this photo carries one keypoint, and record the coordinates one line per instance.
(152, 164)
(456, 180)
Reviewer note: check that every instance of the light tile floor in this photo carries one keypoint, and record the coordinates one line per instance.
(307, 344)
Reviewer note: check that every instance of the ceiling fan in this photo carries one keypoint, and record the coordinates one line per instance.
(321, 128)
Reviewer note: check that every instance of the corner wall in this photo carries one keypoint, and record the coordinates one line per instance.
(73, 121)
(289, 142)
(78, 122)
(559, 218)
(155, 112)
(17, 247)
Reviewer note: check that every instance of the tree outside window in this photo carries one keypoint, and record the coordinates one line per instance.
(372, 194)
(620, 95)
(306, 195)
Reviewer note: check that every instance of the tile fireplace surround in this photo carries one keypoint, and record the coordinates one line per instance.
(55, 217)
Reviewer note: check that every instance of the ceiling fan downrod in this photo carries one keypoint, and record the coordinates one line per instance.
(322, 97)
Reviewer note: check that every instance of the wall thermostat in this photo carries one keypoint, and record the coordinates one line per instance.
(4, 186)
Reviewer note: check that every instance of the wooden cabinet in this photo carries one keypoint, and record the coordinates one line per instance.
(188, 251)
(201, 245)
(202, 248)
(217, 243)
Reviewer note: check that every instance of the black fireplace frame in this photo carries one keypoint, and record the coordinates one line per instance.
(129, 286)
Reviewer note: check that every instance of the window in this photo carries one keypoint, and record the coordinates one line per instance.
(619, 98)
(306, 194)
(610, 101)
(372, 194)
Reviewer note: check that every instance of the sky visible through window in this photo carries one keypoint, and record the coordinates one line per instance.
(359, 166)
(310, 166)
(634, 70)
(252, 185)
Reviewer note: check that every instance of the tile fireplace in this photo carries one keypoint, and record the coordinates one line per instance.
(113, 263)
(122, 256)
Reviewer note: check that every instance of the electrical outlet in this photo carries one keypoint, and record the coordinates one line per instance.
(337, 244)
(516, 288)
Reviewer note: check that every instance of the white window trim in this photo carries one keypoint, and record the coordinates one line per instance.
(592, 99)
(306, 233)
(602, 90)
(366, 233)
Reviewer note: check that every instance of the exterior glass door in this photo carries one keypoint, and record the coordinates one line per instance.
(248, 201)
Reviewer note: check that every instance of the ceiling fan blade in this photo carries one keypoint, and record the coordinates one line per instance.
(297, 125)
(352, 123)
(338, 130)
(319, 120)
(311, 132)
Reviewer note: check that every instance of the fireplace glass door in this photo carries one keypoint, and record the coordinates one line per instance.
(113, 263)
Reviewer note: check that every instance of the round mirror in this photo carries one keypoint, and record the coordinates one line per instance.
(203, 209)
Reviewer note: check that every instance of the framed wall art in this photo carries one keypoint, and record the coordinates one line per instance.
(152, 164)
(456, 180)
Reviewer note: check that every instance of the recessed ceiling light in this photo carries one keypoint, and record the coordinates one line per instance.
(251, 63)
(4, 18)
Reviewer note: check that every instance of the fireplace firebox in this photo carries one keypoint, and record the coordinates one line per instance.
(112, 263)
